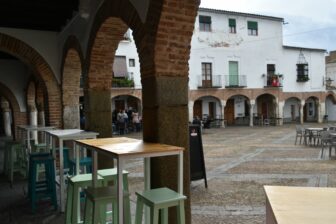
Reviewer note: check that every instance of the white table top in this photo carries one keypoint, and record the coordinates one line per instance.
(35, 127)
(72, 134)
(302, 205)
(314, 129)
(130, 147)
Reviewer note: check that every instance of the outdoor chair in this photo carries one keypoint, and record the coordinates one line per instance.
(299, 133)
(325, 142)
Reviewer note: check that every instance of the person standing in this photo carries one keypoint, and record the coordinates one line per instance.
(136, 120)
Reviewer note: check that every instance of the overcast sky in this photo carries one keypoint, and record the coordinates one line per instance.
(311, 23)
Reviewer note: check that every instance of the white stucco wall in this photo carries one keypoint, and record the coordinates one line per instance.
(252, 53)
(127, 48)
(287, 116)
(205, 105)
(330, 109)
(45, 43)
(14, 74)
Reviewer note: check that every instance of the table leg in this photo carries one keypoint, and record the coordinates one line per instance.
(77, 159)
(120, 190)
(28, 142)
(147, 179)
(94, 168)
(180, 173)
(62, 182)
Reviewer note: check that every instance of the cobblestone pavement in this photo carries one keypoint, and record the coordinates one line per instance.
(239, 162)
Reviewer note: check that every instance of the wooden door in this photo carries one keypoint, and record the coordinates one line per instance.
(206, 75)
(229, 112)
(119, 105)
(198, 109)
(212, 110)
(264, 110)
(293, 115)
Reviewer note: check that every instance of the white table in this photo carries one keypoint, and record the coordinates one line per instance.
(65, 135)
(29, 129)
(127, 148)
(300, 205)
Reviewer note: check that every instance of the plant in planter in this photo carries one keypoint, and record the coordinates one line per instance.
(302, 78)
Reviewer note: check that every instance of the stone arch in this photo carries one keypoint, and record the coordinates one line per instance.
(311, 108)
(41, 69)
(237, 109)
(291, 110)
(266, 106)
(19, 117)
(207, 106)
(71, 81)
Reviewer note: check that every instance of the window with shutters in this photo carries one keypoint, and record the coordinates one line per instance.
(252, 28)
(204, 23)
(232, 26)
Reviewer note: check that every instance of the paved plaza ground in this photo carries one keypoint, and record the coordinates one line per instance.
(239, 162)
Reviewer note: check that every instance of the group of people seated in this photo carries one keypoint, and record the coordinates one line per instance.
(126, 120)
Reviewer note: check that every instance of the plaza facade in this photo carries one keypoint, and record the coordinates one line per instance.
(240, 72)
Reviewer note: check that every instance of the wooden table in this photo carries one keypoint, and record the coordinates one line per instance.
(123, 148)
(65, 135)
(300, 205)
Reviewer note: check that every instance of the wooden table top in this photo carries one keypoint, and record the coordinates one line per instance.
(302, 205)
(128, 146)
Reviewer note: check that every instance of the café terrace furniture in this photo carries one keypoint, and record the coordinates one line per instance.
(300, 205)
(122, 149)
(28, 130)
(61, 136)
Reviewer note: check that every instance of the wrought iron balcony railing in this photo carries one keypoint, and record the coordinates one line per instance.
(215, 81)
(235, 81)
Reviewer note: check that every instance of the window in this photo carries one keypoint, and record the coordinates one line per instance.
(232, 25)
(131, 62)
(206, 74)
(252, 28)
(205, 23)
(120, 66)
(302, 72)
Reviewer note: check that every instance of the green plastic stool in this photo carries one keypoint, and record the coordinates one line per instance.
(75, 183)
(159, 200)
(96, 201)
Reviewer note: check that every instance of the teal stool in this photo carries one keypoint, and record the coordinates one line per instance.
(42, 189)
(83, 162)
(75, 183)
(159, 200)
(96, 201)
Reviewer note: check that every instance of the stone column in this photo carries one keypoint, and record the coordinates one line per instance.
(252, 103)
(6, 117)
(165, 114)
(71, 117)
(98, 117)
(321, 111)
(281, 105)
(223, 102)
(301, 111)
(191, 110)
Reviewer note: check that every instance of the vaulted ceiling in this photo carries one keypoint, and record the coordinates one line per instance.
(47, 15)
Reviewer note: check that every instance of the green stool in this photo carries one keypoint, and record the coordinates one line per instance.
(96, 201)
(75, 183)
(15, 160)
(160, 199)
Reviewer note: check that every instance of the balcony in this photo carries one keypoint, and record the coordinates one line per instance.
(235, 81)
(122, 82)
(302, 78)
(273, 80)
(214, 82)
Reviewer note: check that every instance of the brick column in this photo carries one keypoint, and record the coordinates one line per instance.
(320, 111)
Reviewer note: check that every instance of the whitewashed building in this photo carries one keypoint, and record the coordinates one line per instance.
(240, 72)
